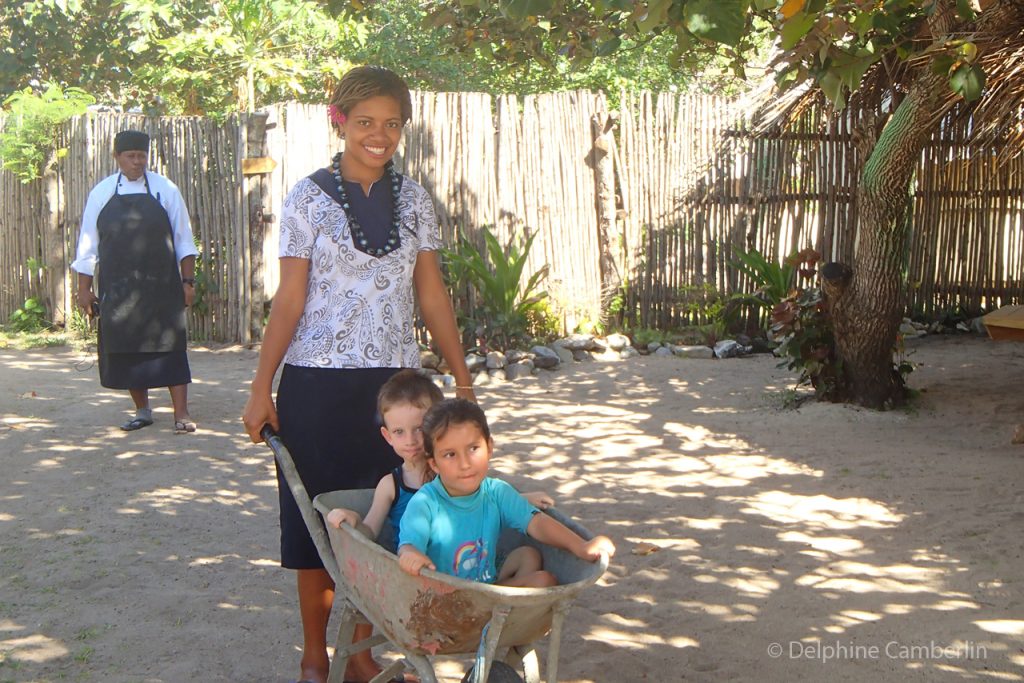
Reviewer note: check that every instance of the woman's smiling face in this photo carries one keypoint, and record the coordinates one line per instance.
(372, 128)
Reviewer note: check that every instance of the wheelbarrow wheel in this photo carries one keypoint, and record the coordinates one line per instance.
(500, 673)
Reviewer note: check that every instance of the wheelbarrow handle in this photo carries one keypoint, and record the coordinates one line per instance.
(268, 433)
(309, 515)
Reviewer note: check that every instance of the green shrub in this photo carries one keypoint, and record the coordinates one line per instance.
(802, 324)
(642, 336)
(543, 324)
(803, 327)
(773, 280)
(497, 311)
(79, 326)
(31, 317)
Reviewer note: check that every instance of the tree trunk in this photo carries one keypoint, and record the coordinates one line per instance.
(608, 239)
(52, 288)
(866, 308)
(866, 301)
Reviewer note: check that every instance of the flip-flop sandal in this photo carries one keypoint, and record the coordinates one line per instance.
(184, 426)
(136, 423)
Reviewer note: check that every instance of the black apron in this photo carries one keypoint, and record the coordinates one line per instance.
(142, 303)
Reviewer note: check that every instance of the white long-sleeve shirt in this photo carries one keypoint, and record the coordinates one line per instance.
(170, 198)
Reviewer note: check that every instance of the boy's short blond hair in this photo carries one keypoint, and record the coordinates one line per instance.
(408, 387)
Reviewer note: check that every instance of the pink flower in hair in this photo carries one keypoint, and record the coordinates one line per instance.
(336, 115)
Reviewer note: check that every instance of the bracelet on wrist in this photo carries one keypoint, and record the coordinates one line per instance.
(458, 386)
(190, 281)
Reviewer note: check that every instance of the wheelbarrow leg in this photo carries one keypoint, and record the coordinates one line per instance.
(344, 648)
(349, 617)
(555, 640)
(492, 634)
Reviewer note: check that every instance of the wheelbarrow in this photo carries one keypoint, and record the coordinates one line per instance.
(434, 613)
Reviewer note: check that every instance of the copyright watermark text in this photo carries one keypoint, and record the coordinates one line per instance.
(824, 652)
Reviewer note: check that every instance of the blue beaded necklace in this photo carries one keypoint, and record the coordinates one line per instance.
(358, 236)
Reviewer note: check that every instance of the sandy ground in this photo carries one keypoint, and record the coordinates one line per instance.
(823, 543)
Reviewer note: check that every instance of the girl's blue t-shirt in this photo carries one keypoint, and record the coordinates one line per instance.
(460, 535)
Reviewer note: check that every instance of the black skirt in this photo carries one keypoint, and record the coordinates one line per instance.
(329, 423)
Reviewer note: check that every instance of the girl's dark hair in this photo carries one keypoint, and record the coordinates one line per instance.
(410, 387)
(364, 82)
(450, 412)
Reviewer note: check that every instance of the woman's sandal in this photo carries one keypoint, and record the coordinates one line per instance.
(184, 426)
(136, 423)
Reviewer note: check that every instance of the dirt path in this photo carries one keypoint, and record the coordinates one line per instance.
(825, 543)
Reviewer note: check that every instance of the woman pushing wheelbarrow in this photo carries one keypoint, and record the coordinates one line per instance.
(460, 522)
(358, 250)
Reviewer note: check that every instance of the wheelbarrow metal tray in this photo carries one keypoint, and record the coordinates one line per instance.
(436, 613)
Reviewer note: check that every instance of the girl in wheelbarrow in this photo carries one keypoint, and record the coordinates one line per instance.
(452, 524)
(358, 250)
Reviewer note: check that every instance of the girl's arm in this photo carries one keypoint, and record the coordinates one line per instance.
(412, 561)
(289, 302)
(552, 532)
(539, 499)
(436, 308)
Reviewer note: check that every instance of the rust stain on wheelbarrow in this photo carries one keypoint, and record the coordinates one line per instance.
(439, 620)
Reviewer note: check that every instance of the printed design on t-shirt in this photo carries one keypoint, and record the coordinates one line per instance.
(471, 561)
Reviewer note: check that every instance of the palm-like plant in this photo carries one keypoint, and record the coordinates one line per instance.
(503, 301)
(773, 280)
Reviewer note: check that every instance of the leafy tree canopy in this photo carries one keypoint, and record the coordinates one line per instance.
(831, 42)
(428, 44)
(74, 42)
(190, 56)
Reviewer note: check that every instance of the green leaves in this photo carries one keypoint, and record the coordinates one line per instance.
(240, 54)
(721, 21)
(956, 62)
(795, 28)
(28, 140)
(521, 9)
(773, 280)
(965, 9)
(656, 15)
(504, 301)
(832, 86)
(968, 81)
(31, 317)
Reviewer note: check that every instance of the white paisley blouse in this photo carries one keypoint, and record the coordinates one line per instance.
(359, 308)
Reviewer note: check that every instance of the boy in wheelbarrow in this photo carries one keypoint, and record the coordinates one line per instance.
(452, 524)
